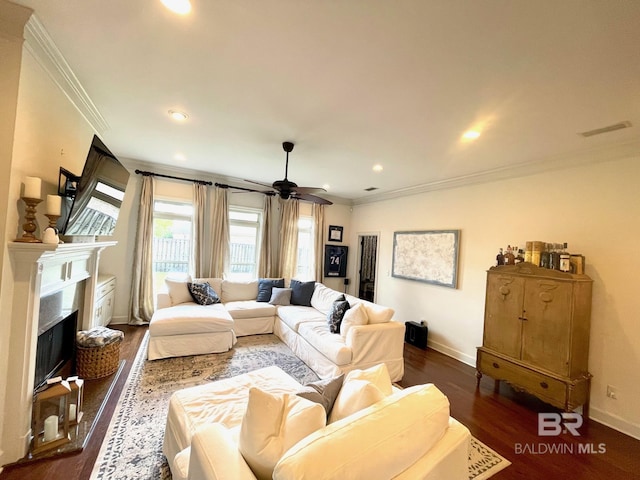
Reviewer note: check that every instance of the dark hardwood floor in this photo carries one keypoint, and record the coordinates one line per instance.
(502, 421)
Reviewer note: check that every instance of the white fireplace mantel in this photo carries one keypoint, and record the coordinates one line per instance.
(38, 270)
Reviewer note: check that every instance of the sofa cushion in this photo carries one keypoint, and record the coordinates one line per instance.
(376, 313)
(272, 424)
(235, 291)
(190, 318)
(353, 397)
(380, 441)
(356, 315)
(323, 298)
(301, 292)
(250, 309)
(203, 294)
(323, 392)
(280, 296)
(328, 344)
(334, 317)
(265, 285)
(296, 315)
(378, 375)
(178, 289)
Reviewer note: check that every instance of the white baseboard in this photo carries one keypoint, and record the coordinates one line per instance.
(450, 352)
(614, 422)
(120, 320)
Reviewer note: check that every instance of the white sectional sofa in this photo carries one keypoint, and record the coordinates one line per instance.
(182, 327)
(254, 426)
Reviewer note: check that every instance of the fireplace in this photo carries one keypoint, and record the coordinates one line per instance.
(57, 327)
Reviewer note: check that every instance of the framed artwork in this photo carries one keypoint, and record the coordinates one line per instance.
(335, 233)
(429, 256)
(335, 261)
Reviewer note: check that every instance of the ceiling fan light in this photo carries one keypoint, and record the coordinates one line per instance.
(178, 116)
(181, 7)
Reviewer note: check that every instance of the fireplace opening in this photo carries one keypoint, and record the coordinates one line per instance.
(56, 349)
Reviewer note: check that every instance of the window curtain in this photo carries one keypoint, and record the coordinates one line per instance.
(317, 212)
(267, 267)
(141, 305)
(198, 229)
(219, 238)
(289, 215)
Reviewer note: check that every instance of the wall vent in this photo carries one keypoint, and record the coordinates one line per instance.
(610, 128)
(370, 189)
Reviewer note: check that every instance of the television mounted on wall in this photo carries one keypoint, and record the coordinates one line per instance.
(92, 208)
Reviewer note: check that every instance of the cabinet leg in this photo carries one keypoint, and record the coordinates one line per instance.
(496, 386)
(478, 378)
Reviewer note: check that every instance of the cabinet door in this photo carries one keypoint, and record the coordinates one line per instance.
(546, 332)
(502, 325)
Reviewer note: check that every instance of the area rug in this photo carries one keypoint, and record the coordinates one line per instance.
(132, 447)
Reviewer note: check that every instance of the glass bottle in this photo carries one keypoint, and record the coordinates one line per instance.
(509, 257)
(500, 258)
(565, 259)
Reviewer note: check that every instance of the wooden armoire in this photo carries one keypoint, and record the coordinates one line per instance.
(536, 333)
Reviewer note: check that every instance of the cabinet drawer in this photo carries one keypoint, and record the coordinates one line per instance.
(548, 389)
(106, 287)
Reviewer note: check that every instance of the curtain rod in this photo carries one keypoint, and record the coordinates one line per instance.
(146, 174)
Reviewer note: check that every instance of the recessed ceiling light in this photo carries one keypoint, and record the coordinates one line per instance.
(470, 135)
(178, 116)
(181, 7)
(377, 168)
(180, 157)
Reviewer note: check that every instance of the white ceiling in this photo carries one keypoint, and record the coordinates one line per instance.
(354, 83)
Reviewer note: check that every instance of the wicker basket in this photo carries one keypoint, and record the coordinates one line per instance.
(97, 362)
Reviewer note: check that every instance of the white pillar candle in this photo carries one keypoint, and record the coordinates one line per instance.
(72, 412)
(54, 204)
(32, 187)
(50, 428)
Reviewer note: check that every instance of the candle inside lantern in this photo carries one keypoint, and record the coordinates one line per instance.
(32, 187)
(54, 204)
(72, 412)
(50, 428)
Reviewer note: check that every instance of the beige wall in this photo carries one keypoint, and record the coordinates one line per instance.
(595, 208)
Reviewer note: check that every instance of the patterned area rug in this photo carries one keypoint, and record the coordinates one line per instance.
(132, 448)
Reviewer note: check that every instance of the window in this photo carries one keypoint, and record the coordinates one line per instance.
(244, 235)
(171, 240)
(306, 261)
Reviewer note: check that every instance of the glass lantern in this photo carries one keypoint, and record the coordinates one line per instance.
(75, 403)
(50, 422)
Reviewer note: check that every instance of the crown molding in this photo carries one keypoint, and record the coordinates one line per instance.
(40, 44)
(594, 155)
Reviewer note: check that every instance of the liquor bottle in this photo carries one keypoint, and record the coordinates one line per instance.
(545, 256)
(509, 257)
(554, 257)
(565, 259)
(500, 258)
(520, 256)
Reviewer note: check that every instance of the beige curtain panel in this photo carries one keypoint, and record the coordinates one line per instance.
(289, 215)
(317, 211)
(219, 241)
(198, 229)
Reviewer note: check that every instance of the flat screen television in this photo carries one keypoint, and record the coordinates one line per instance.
(93, 208)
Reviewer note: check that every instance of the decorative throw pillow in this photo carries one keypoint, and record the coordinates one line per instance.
(353, 397)
(323, 392)
(378, 375)
(301, 292)
(334, 317)
(203, 293)
(265, 285)
(280, 296)
(356, 315)
(272, 424)
(178, 290)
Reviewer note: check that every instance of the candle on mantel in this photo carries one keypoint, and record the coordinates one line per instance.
(32, 187)
(50, 428)
(54, 204)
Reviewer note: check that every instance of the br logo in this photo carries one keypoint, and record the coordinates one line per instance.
(553, 424)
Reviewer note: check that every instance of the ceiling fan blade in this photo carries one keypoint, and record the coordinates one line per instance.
(259, 183)
(304, 190)
(311, 198)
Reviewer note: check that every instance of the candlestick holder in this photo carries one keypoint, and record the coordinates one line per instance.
(53, 219)
(30, 225)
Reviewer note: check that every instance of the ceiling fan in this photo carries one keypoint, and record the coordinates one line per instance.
(288, 189)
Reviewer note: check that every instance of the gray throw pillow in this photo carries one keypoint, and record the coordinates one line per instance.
(280, 296)
(203, 293)
(323, 392)
(301, 292)
(265, 285)
(334, 317)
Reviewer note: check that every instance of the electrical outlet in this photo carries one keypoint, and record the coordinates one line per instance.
(612, 392)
